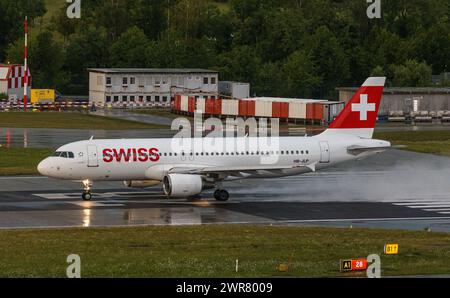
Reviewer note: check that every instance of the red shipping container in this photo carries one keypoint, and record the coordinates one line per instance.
(243, 107)
(217, 107)
(314, 111)
(310, 111)
(284, 110)
(276, 109)
(177, 102)
(251, 108)
(209, 106)
(191, 105)
(318, 111)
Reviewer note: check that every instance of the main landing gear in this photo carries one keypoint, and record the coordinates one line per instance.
(87, 195)
(221, 195)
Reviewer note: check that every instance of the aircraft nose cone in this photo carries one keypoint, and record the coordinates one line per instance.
(43, 167)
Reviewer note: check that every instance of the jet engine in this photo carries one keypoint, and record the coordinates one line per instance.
(182, 185)
(141, 183)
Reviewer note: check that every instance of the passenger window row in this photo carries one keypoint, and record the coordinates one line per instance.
(283, 152)
(287, 152)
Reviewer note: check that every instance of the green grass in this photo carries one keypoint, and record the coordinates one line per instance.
(21, 161)
(211, 251)
(69, 120)
(434, 142)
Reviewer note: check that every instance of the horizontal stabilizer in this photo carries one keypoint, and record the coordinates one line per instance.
(357, 150)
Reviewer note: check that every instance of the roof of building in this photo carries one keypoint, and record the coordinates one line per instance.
(151, 70)
(405, 90)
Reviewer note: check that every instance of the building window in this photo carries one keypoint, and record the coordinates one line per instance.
(213, 81)
(116, 98)
(125, 81)
(141, 98)
(132, 98)
(149, 98)
(108, 98)
(157, 81)
(157, 98)
(132, 81)
(164, 98)
(124, 98)
(205, 81)
(108, 80)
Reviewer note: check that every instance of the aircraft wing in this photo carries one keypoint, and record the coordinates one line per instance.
(236, 170)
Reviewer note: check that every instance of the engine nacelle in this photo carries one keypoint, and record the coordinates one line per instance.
(182, 185)
(141, 183)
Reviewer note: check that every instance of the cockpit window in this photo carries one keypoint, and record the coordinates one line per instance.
(64, 154)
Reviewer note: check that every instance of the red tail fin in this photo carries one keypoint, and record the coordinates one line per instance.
(360, 114)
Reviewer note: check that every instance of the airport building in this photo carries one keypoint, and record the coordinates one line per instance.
(401, 103)
(12, 81)
(122, 87)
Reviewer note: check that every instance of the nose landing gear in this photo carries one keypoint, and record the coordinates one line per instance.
(87, 195)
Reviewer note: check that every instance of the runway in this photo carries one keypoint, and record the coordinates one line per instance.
(397, 189)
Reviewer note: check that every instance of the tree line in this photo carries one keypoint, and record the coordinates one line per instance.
(295, 48)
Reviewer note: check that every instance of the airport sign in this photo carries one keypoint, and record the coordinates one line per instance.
(391, 249)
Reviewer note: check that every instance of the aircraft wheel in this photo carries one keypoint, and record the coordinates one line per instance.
(87, 196)
(221, 195)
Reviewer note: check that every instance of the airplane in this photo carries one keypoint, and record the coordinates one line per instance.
(185, 171)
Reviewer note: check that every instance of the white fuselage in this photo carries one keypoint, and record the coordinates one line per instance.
(152, 159)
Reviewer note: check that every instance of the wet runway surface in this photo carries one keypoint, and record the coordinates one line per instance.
(397, 189)
(54, 138)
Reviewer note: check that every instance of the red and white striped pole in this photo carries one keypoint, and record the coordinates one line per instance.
(25, 76)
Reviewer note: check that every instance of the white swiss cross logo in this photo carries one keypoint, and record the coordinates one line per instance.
(363, 107)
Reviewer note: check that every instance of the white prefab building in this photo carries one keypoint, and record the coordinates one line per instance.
(149, 86)
(12, 81)
(235, 90)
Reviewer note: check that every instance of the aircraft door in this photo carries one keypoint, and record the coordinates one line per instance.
(324, 152)
(92, 156)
